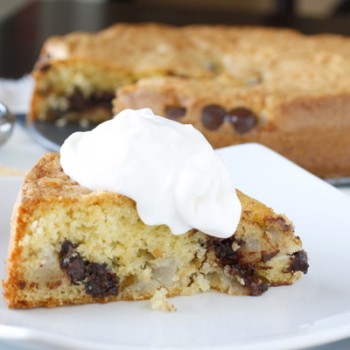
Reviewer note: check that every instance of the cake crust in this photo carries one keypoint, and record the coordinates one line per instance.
(71, 246)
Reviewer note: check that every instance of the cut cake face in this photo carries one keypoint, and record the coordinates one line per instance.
(70, 245)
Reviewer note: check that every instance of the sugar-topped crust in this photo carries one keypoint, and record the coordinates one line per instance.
(284, 61)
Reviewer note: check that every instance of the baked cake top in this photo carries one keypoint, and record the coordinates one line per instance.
(283, 61)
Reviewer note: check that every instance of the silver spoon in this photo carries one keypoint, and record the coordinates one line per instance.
(7, 122)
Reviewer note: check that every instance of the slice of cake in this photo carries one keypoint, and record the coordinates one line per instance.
(227, 114)
(294, 87)
(75, 245)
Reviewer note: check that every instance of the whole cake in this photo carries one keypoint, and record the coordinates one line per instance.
(235, 84)
(188, 233)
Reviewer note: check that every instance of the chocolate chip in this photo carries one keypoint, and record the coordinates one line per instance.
(259, 286)
(55, 114)
(100, 98)
(224, 252)
(213, 116)
(270, 220)
(299, 262)
(232, 260)
(256, 284)
(76, 101)
(71, 262)
(175, 112)
(98, 279)
(242, 119)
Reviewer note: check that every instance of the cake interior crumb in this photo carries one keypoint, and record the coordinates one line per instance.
(160, 302)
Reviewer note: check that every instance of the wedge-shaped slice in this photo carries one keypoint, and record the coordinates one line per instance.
(70, 245)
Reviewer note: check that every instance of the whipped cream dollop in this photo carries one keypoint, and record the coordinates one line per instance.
(169, 169)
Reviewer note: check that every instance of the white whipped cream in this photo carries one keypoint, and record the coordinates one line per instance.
(169, 169)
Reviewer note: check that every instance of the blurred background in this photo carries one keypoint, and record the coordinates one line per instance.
(25, 24)
(312, 8)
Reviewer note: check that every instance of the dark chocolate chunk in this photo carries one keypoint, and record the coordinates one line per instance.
(242, 119)
(224, 252)
(258, 286)
(227, 256)
(98, 279)
(280, 221)
(175, 112)
(213, 116)
(71, 262)
(299, 262)
(55, 113)
(100, 98)
(78, 102)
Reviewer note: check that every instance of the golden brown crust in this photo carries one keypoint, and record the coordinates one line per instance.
(244, 54)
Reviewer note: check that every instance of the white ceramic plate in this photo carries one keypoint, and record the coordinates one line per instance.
(313, 311)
